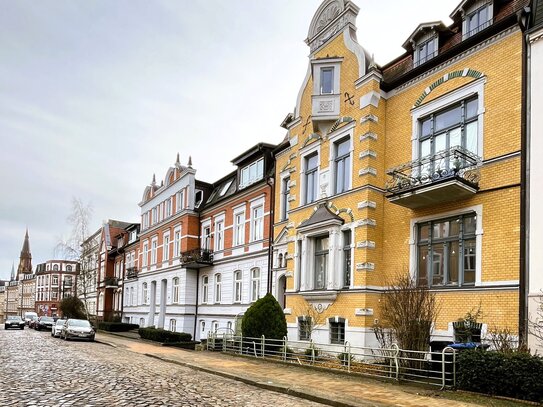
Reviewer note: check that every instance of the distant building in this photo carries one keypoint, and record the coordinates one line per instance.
(55, 280)
(88, 272)
(2, 301)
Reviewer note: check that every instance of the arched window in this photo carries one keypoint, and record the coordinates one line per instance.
(285, 259)
(214, 326)
(280, 260)
(229, 327)
(237, 286)
(55, 267)
(255, 284)
(69, 268)
(144, 293)
(173, 325)
(175, 290)
(205, 289)
(203, 325)
(218, 286)
(142, 322)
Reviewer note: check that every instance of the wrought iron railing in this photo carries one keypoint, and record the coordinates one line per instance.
(197, 256)
(131, 272)
(110, 281)
(433, 368)
(455, 163)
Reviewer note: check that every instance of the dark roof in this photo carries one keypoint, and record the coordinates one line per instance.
(253, 152)
(223, 188)
(321, 215)
(538, 13)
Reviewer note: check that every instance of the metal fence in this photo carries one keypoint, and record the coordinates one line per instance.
(431, 368)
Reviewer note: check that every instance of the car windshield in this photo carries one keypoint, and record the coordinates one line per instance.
(79, 322)
(60, 321)
(12, 318)
(47, 319)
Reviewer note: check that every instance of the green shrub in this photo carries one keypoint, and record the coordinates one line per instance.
(264, 317)
(312, 351)
(161, 335)
(515, 375)
(117, 326)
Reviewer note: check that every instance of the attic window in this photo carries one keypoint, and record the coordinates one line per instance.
(225, 188)
(199, 196)
(252, 173)
(425, 51)
(477, 18)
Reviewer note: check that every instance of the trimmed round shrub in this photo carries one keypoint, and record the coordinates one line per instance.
(264, 317)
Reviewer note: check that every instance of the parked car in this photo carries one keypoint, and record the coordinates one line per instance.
(28, 317)
(57, 327)
(14, 321)
(32, 322)
(44, 323)
(77, 329)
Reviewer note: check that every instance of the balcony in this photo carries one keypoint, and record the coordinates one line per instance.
(325, 107)
(197, 258)
(447, 176)
(131, 273)
(110, 282)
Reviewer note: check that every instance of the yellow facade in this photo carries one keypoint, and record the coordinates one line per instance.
(385, 128)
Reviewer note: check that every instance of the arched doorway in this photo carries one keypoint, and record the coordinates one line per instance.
(281, 288)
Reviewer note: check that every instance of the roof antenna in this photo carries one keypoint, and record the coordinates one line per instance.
(190, 161)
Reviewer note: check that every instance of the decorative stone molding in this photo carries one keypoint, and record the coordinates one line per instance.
(365, 266)
(367, 204)
(366, 244)
(369, 118)
(367, 171)
(367, 222)
(367, 153)
(363, 312)
(368, 136)
(372, 98)
(287, 311)
(292, 198)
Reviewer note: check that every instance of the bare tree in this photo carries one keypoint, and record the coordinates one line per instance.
(312, 318)
(535, 322)
(72, 248)
(408, 311)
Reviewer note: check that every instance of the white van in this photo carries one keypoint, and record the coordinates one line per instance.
(28, 317)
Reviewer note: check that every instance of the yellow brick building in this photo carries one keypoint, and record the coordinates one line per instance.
(411, 167)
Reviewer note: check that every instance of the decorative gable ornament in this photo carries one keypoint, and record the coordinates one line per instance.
(331, 18)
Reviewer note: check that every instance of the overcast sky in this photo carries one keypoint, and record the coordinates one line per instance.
(96, 96)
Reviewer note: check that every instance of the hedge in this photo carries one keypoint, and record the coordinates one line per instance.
(161, 335)
(116, 326)
(516, 375)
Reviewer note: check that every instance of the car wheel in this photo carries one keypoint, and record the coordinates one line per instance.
(22, 328)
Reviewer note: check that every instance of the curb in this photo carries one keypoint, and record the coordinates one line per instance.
(264, 385)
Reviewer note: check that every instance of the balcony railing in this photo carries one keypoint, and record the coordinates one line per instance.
(131, 272)
(110, 282)
(197, 258)
(445, 176)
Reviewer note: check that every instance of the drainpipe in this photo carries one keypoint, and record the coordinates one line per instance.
(523, 267)
(197, 281)
(271, 183)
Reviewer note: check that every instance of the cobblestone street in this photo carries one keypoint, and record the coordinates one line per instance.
(39, 370)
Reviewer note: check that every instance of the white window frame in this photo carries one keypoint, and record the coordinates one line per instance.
(478, 210)
(238, 286)
(169, 207)
(245, 173)
(176, 242)
(172, 325)
(206, 239)
(218, 234)
(154, 251)
(346, 132)
(304, 154)
(257, 222)
(205, 289)
(217, 279)
(166, 246)
(145, 293)
(476, 87)
(239, 227)
(175, 290)
(255, 283)
(285, 196)
(145, 259)
(318, 67)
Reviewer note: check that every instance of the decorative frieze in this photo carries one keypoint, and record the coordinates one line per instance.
(365, 266)
(363, 312)
(367, 171)
(369, 118)
(368, 136)
(366, 244)
(368, 153)
(367, 222)
(292, 198)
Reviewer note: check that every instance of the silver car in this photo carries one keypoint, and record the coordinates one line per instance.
(57, 327)
(77, 329)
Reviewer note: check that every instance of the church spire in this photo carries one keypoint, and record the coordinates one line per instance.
(12, 271)
(25, 261)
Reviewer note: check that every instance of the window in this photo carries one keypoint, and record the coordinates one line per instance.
(144, 294)
(54, 280)
(68, 281)
(252, 173)
(347, 259)
(175, 289)
(179, 201)
(321, 263)
(337, 330)
(257, 232)
(203, 325)
(327, 81)
(477, 21)
(55, 267)
(68, 268)
(177, 243)
(205, 289)
(225, 187)
(219, 235)
(207, 237)
(304, 328)
(169, 207)
(132, 296)
(237, 286)
(255, 284)
(342, 165)
(218, 286)
(447, 251)
(425, 51)
(142, 322)
(229, 327)
(198, 198)
(173, 325)
(456, 126)
(239, 229)
(166, 248)
(285, 195)
(214, 326)
(145, 252)
(154, 248)
(311, 177)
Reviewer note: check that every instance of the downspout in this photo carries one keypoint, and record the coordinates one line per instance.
(197, 281)
(523, 267)
(270, 231)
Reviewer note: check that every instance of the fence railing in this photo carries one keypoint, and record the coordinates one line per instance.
(431, 368)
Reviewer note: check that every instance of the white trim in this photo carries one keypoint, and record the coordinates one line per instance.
(314, 147)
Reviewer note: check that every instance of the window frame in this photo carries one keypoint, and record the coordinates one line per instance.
(338, 337)
(304, 328)
(285, 195)
(218, 234)
(217, 279)
(239, 228)
(166, 246)
(257, 223)
(325, 255)
(347, 169)
(245, 177)
(173, 322)
(256, 281)
(347, 263)
(154, 251)
(476, 9)
(238, 286)
(322, 71)
(205, 289)
(145, 293)
(175, 290)
(313, 172)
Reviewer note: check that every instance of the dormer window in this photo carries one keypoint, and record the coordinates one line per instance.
(327, 81)
(477, 17)
(425, 51)
(252, 173)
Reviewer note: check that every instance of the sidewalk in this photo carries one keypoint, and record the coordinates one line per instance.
(323, 387)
